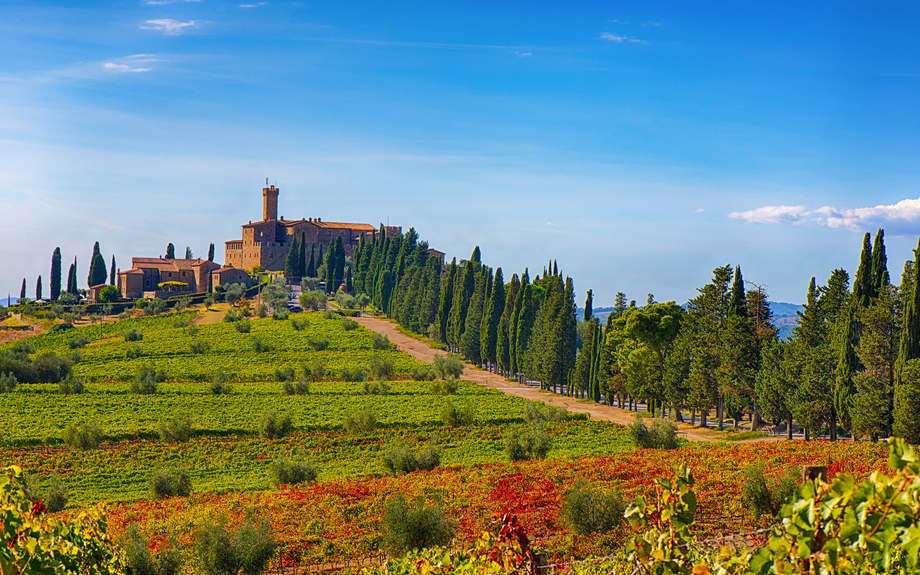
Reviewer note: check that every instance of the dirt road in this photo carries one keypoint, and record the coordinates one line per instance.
(424, 352)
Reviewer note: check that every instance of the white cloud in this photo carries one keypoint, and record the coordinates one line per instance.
(903, 216)
(123, 68)
(168, 25)
(256, 5)
(165, 2)
(523, 54)
(621, 39)
(700, 210)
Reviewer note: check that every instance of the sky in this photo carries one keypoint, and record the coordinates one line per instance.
(640, 145)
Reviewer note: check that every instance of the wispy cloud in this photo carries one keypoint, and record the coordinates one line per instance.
(616, 22)
(904, 216)
(621, 39)
(651, 23)
(165, 2)
(256, 5)
(700, 210)
(522, 54)
(168, 25)
(123, 68)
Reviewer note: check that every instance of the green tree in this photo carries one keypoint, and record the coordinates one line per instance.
(470, 344)
(907, 392)
(878, 351)
(302, 256)
(22, 292)
(188, 253)
(72, 278)
(907, 402)
(775, 389)
(491, 319)
(524, 329)
(339, 269)
(589, 306)
(56, 274)
(112, 271)
(503, 343)
(97, 272)
(737, 305)
(211, 253)
(211, 281)
(291, 262)
(170, 251)
(311, 267)
(38, 288)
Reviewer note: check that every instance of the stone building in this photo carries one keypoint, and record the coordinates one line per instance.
(145, 275)
(267, 243)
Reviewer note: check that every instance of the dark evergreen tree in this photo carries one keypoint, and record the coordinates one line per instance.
(870, 410)
(330, 271)
(737, 305)
(97, 272)
(292, 260)
(863, 283)
(524, 330)
(470, 342)
(907, 389)
(56, 274)
(349, 281)
(880, 278)
(619, 305)
(503, 345)
(211, 253)
(188, 253)
(589, 306)
(211, 281)
(38, 288)
(491, 317)
(311, 267)
(112, 271)
(22, 292)
(170, 251)
(339, 271)
(446, 300)
(302, 259)
(72, 278)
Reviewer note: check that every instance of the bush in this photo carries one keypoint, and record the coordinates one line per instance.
(243, 326)
(363, 421)
(134, 352)
(221, 382)
(181, 323)
(273, 428)
(316, 370)
(260, 347)
(452, 416)
(379, 341)
(146, 380)
(133, 334)
(375, 388)
(230, 317)
(176, 429)
(328, 314)
(344, 300)
(524, 444)
(381, 368)
(422, 373)
(413, 525)
(359, 374)
(54, 497)
(261, 310)
(762, 497)
(285, 373)
(299, 324)
(302, 387)
(155, 306)
(77, 341)
(308, 284)
(448, 387)
(291, 472)
(281, 314)
(169, 482)
(349, 324)
(200, 346)
(314, 300)
(448, 366)
(61, 327)
(192, 330)
(537, 411)
(140, 559)
(71, 385)
(126, 314)
(82, 436)
(7, 382)
(661, 435)
(318, 344)
(587, 509)
(246, 550)
(401, 458)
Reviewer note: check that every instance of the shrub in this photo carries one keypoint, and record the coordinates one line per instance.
(299, 324)
(243, 326)
(133, 334)
(344, 300)
(661, 435)
(587, 509)
(71, 385)
(82, 436)
(765, 497)
(379, 341)
(140, 559)
(316, 370)
(448, 387)
(146, 380)
(192, 330)
(524, 444)
(381, 368)
(537, 411)
(401, 458)
(291, 472)
(413, 525)
(358, 374)
(134, 352)
(176, 429)
(260, 347)
(448, 366)
(314, 300)
(261, 310)
(246, 550)
(155, 306)
(375, 388)
(7, 382)
(422, 373)
(281, 314)
(285, 373)
(61, 327)
(328, 314)
(302, 387)
(181, 323)
(273, 428)
(452, 416)
(169, 482)
(200, 346)
(230, 317)
(77, 341)
(126, 314)
(56, 496)
(221, 382)
(349, 324)
(363, 421)
(318, 344)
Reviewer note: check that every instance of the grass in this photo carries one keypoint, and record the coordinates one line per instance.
(732, 435)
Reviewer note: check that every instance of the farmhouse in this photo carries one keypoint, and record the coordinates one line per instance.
(266, 243)
(146, 275)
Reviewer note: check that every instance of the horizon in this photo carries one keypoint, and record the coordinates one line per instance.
(639, 147)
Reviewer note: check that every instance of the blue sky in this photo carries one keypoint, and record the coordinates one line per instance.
(639, 145)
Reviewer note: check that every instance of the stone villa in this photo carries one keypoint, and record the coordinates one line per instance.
(145, 275)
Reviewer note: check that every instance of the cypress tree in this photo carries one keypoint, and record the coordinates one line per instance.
(211, 281)
(170, 251)
(302, 260)
(491, 317)
(97, 272)
(880, 278)
(349, 282)
(525, 326)
(339, 275)
(188, 253)
(311, 267)
(72, 278)
(22, 292)
(112, 271)
(330, 268)
(589, 306)
(907, 389)
(56, 274)
(513, 326)
(38, 288)
(211, 253)
(292, 260)
(502, 343)
(862, 283)
(476, 258)
(737, 304)
(470, 344)
(446, 300)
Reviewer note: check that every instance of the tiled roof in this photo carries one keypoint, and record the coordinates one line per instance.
(340, 225)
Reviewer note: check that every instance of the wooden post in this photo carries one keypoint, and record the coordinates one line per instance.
(813, 472)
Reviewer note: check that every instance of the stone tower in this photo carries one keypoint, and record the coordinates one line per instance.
(269, 202)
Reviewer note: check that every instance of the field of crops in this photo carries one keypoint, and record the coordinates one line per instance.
(167, 344)
(340, 517)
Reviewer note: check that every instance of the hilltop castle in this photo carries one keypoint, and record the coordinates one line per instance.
(266, 243)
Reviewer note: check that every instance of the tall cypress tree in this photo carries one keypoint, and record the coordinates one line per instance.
(502, 344)
(524, 327)
(56, 274)
(863, 283)
(339, 276)
(38, 288)
(292, 260)
(188, 253)
(112, 271)
(880, 278)
(737, 304)
(491, 318)
(22, 292)
(302, 260)
(311, 267)
(907, 389)
(72, 278)
(170, 251)
(211, 253)
(97, 272)
(589, 306)
(330, 269)
(470, 344)
(446, 300)
(211, 281)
